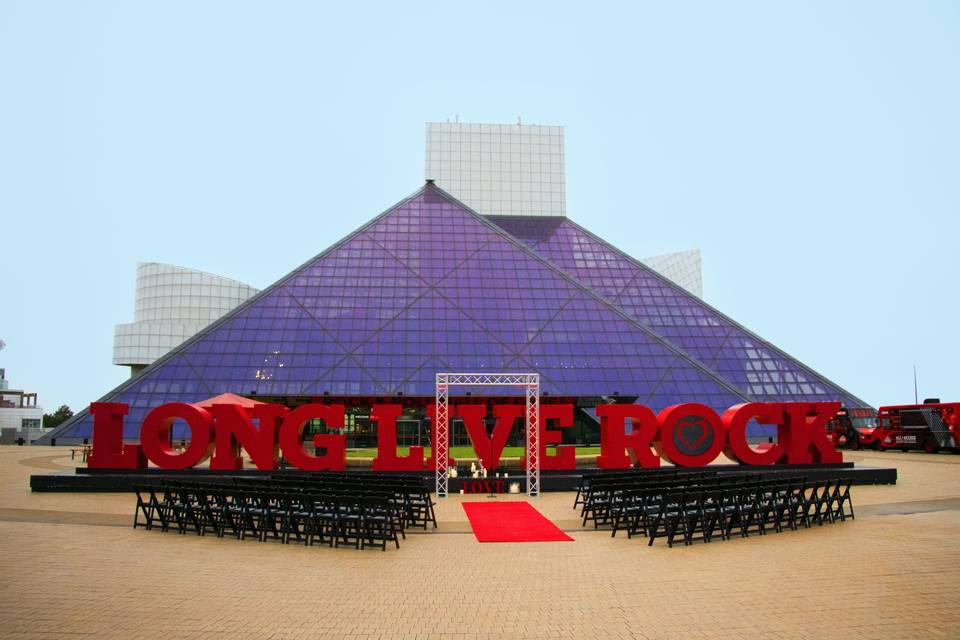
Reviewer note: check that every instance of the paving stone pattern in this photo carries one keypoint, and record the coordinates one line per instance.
(71, 567)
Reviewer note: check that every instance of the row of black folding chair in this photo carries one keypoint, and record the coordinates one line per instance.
(631, 505)
(608, 482)
(412, 495)
(409, 484)
(415, 501)
(589, 478)
(414, 488)
(751, 506)
(707, 510)
(596, 492)
(827, 501)
(602, 496)
(173, 504)
(371, 520)
(346, 511)
(350, 482)
(361, 520)
(388, 482)
(630, 475)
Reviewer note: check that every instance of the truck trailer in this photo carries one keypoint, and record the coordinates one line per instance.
(930, 427)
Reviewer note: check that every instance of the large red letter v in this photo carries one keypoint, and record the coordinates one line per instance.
(489, 449)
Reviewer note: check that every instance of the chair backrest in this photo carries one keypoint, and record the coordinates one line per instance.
(844, 485)
(375, 505)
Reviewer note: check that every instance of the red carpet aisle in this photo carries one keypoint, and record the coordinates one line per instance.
(511, 522)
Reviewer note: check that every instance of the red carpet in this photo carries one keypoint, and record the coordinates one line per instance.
(511, 522)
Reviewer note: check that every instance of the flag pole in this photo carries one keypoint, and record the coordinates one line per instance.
(915, 398)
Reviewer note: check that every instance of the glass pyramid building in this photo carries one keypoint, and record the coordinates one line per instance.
(431, 286)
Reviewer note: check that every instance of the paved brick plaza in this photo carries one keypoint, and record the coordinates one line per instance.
(71, 567)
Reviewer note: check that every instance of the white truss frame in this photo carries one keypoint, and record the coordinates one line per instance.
(441, 435)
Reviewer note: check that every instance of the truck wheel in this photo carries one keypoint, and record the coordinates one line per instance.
(930, 446)
(855, 444)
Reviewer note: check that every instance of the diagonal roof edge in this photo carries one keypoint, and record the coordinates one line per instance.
(430, 186)
(684, 292)
(593, 294)
(123, 386)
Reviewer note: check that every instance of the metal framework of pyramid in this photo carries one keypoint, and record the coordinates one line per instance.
(430, 286)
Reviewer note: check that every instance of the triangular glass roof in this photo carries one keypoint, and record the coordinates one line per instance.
(742, 359)
(427, 286)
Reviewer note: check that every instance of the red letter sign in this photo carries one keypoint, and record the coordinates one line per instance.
(566, 456)
(291, 434)
(109, 452)
(387, 459)
(691, 435)
(614, 440)
(803, 435)
(489, 449)
(234, 429)
(735, 421)
(155, 435)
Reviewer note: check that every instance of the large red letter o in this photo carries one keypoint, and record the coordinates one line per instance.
(691, 435)
(155, 435)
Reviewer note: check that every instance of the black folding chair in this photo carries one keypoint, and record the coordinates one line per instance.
(711, 514)
(253, 509)
(665, 518)
(325, 520)
(147, 504)
(184, 513)
(626, 510)
(279, 522)
(350, 520)
(745, 510)
(841, 497)
(812, 503)
(378, 523)
(689, 511)
(421, 508)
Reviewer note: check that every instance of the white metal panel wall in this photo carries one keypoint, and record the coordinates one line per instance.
(171, 305)
(499, 169)
(683, 267)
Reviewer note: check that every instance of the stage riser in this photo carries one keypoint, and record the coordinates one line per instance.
(107, 481)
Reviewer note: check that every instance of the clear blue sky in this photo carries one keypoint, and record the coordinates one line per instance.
(811, 150)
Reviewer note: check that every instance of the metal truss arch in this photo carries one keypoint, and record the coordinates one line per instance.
(441, 436)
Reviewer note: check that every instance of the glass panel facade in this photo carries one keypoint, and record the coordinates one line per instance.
(429, 286)
(756, 368)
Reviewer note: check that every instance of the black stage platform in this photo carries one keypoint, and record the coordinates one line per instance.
(123, 480)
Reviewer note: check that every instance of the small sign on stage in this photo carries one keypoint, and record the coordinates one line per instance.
(485, 485)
